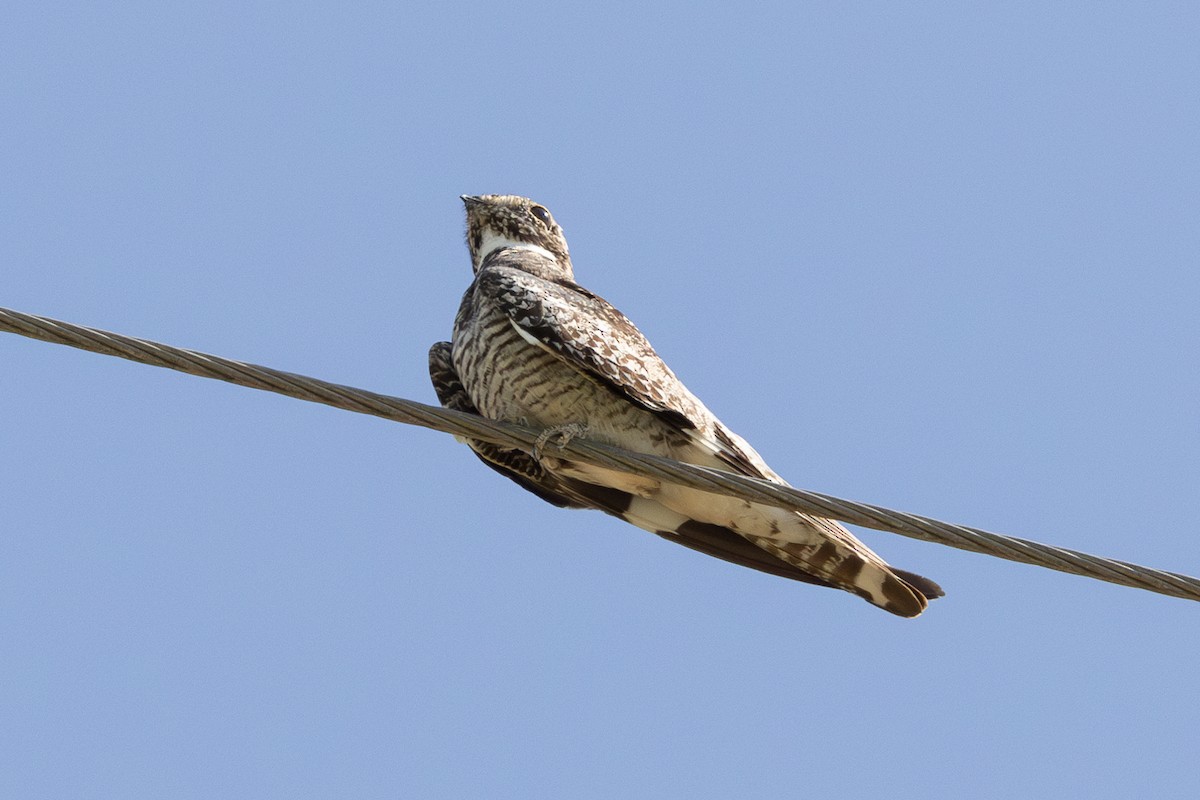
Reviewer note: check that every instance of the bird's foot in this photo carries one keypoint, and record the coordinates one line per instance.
(562, 434)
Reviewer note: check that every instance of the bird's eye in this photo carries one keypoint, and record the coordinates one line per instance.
(541, 213)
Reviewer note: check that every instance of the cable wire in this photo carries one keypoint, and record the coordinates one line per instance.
(473, 426)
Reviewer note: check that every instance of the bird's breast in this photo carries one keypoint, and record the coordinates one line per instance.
(512, 379)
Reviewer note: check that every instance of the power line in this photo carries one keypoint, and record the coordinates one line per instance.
(472, 426)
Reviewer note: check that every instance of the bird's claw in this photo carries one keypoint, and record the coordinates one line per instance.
(562, 436)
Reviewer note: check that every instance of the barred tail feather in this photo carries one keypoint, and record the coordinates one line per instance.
(875, 582)
(845, 569)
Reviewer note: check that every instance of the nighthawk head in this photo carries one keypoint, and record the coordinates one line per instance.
(495, 221)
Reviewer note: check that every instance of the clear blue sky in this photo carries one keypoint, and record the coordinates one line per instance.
(941, 258)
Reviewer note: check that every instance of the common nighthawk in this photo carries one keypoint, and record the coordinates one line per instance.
(532, 346)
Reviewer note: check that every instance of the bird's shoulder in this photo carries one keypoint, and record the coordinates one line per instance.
(591, 335)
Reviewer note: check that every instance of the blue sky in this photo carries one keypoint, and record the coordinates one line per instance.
(940, 257)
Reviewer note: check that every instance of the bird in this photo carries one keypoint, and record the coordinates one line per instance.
(533, 347)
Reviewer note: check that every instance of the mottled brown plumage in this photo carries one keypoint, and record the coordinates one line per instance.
(532, 346)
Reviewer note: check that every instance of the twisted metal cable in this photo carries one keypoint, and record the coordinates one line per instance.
(476, 427)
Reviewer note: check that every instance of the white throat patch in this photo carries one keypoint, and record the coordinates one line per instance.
(493, 241)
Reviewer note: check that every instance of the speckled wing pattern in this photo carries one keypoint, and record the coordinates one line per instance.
(588, 332)
(528, 473)
(583, 331)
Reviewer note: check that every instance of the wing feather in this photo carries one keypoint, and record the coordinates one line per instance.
(593, 337)
(586, 331)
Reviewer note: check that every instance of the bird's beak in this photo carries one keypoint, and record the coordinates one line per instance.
(469, 199)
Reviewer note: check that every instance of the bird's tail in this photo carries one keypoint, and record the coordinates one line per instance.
(851, 566)
(846, 565)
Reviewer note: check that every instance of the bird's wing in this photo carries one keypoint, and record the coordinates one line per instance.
(526, 472)
(593, 337)
(588, 333)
